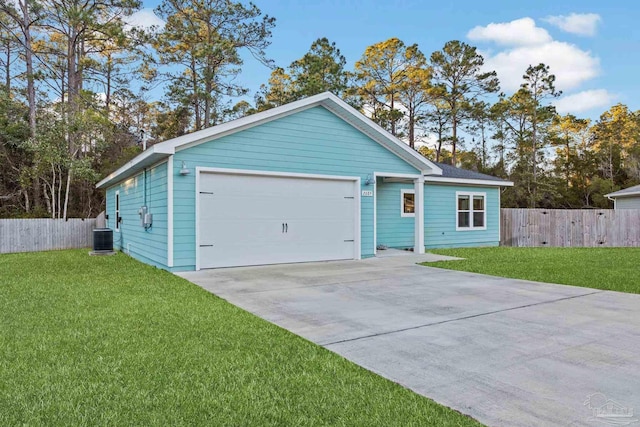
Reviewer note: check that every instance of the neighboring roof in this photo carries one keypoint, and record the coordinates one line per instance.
(331, 102)
(458, 175)
(627, 192)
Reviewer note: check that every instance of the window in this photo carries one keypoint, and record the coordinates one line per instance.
(407, 203)
(117, 216)
(471, 211)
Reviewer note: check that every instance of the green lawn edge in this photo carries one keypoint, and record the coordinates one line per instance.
(612, 269)
(111, 341)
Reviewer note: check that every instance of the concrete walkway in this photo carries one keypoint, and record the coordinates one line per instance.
(506, 352)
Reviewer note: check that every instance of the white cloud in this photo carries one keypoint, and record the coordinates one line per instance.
(582, 24)
(571, 65)
(520, 32)
(527, 44)
(584, 101)
(144, 18)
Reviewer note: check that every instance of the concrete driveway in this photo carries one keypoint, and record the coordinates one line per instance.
(506, 352)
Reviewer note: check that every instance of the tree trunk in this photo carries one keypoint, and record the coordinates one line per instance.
(7, 69)
(107, 97)
(393, 122)
(28, 59)
(412, 124)
(440, 131)
(454, 135)
(207, 102)
(66, 195)
(534, 155)
(196, 101)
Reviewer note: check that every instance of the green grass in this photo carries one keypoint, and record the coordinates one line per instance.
(613, 269)
(110, 341)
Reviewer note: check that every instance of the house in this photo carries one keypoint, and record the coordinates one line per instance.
(628, 198)
(312, 180)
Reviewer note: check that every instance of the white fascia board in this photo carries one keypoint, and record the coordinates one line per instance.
(483, 182)
(612, 196)
(325, 99)
(415, 158)
(149, 157)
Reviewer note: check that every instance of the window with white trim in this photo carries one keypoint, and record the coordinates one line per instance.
(407, 203)
(471, 211)
(117, 216)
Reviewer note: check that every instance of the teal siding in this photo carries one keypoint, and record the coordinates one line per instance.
(149, 245)
(392, 229)
(628, 202)
(313, 141)
(440, 218)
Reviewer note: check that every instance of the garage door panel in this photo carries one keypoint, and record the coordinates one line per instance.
(241, 218)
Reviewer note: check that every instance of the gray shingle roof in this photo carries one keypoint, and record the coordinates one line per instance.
(631, 191)
(449, 171)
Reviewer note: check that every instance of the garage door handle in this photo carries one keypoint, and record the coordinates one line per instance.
(286, 227)
(283, 227)
(205, 246)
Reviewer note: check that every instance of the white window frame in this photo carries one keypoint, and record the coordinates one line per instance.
(402, 193)
(117, 210)
(470, 194)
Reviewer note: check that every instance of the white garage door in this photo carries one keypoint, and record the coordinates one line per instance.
(255, 220)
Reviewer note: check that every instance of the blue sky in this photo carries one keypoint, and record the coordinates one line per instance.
(592, 46)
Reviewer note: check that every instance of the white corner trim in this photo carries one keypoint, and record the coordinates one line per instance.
(404, 191)
(375, 213)
(482, 182)
(471, 211)
(197, 214)
(357, 246)
(418, 246)
(170, 177)
(499, 216)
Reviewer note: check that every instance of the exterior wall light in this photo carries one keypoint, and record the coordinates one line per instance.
(184, 171)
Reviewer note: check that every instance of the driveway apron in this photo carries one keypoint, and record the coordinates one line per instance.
(506, 352)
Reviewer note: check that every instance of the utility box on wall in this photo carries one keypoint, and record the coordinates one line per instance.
(147, 221)
(146, 218)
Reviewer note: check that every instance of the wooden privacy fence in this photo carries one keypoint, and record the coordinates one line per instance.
(570, 227)
(43, 234)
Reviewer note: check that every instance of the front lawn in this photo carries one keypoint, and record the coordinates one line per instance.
(613, 269)
(110, 341)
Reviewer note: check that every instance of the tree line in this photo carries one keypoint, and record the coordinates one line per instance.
(82, 90)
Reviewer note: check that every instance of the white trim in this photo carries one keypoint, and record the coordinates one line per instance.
(358, 226)
(326, 99)
(170, 173)
(356, 180)
(404, 191)
(482, 182)
(398, 175)
(116, 205)
(622, 196)
(197, 214)
(499, 217)
(418, 247)
(375, 213)
(271, 173)
(471, 194)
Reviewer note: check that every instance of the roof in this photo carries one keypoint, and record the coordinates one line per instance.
(458, 175)
(627, 192)
(160, 151)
